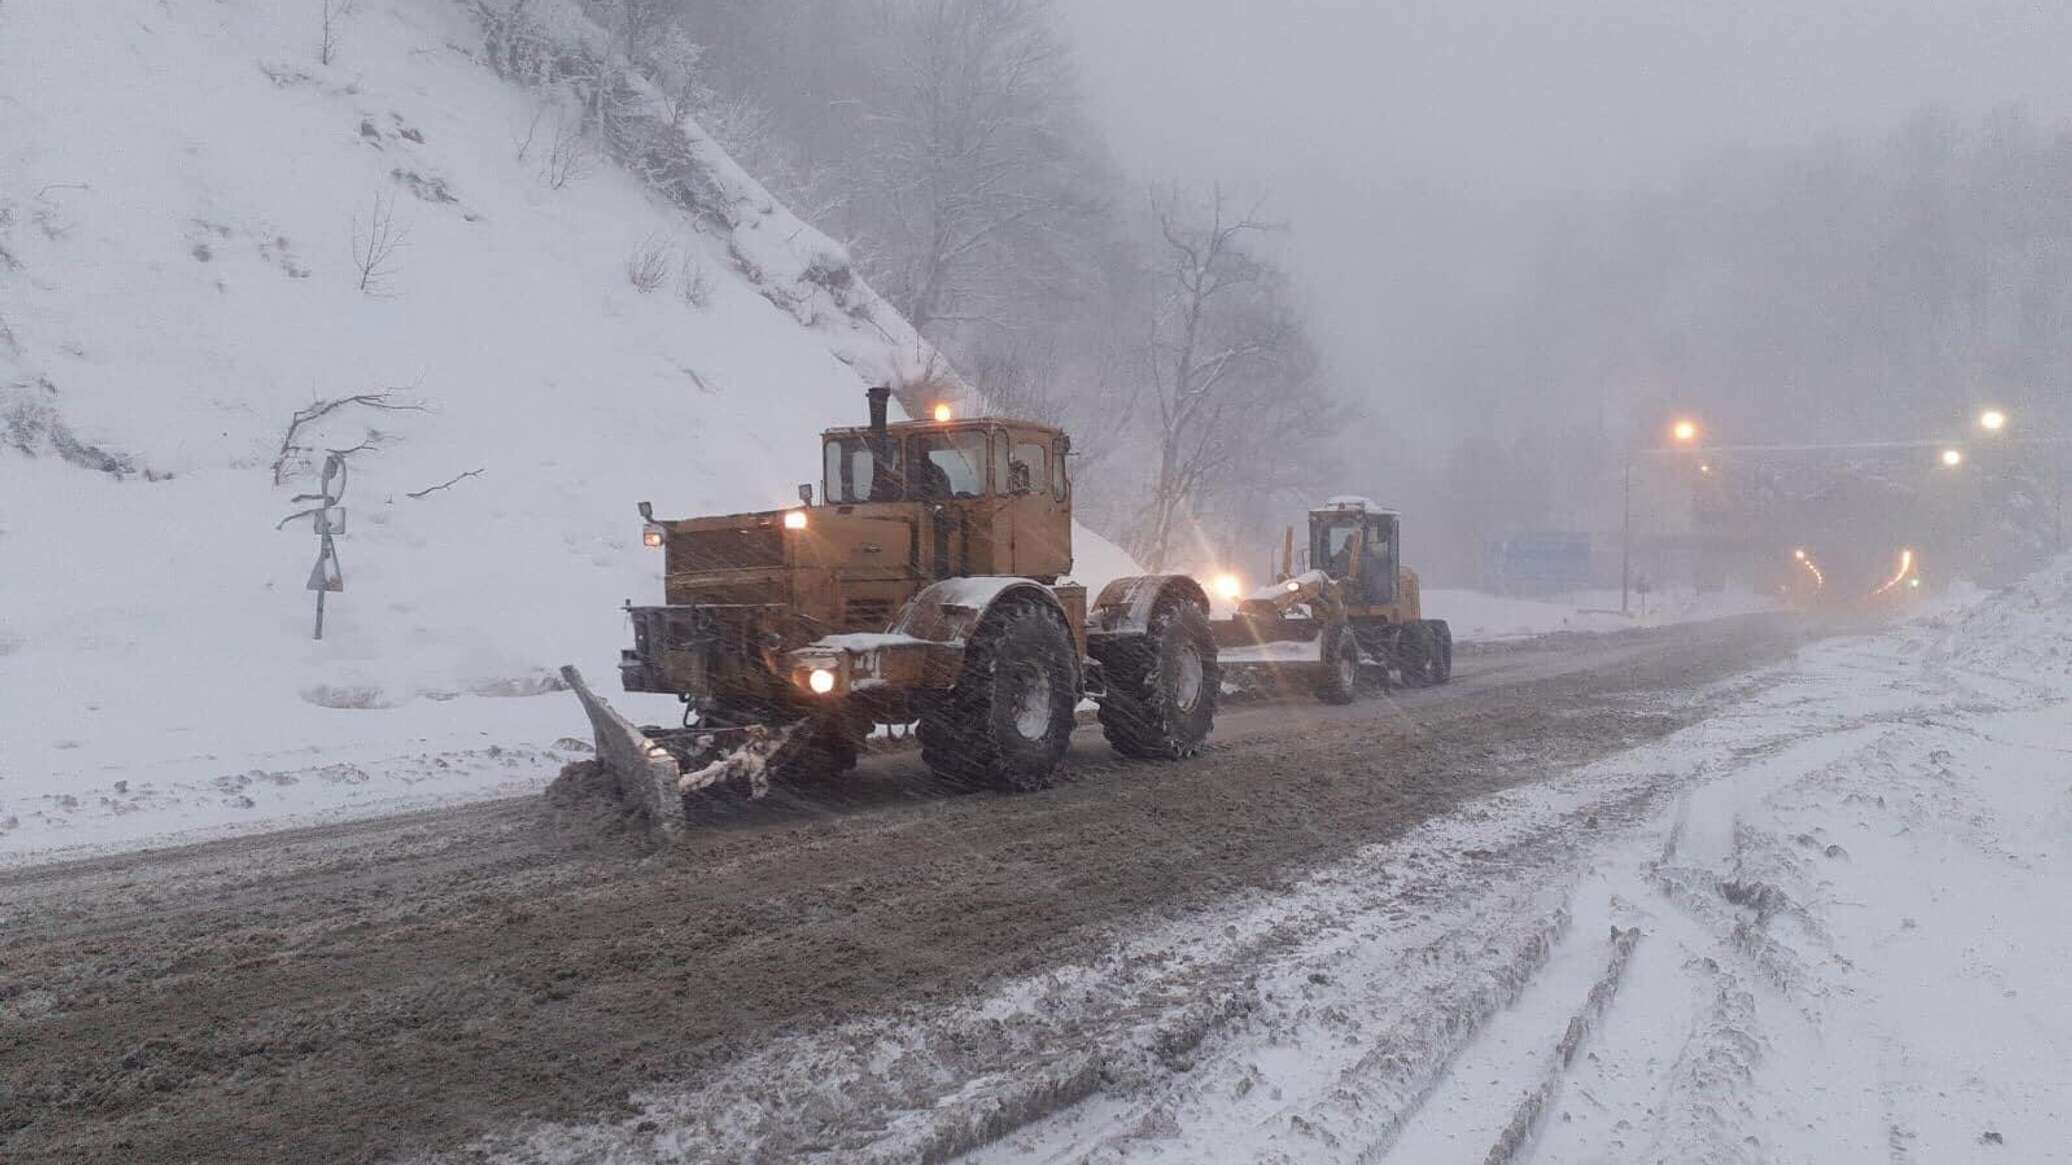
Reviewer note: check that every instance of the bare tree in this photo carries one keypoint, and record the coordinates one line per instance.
(376, 239)
(334, 14)
(1229, 372)
(968, 152)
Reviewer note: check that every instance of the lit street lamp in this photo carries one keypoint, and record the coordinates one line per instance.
(1952, 458)
(1683, 431)
(1994, 421)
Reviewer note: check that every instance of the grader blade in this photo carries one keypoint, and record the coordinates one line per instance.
(643, 774)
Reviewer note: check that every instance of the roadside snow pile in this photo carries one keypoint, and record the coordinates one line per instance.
(203, 231)
(1476, 616)
(1824, 924)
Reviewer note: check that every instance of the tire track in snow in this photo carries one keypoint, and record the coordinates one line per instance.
(1516, 1139)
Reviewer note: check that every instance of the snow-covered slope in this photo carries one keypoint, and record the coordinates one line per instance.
(183, 190)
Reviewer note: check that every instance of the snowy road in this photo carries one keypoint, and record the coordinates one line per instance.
(884, 972)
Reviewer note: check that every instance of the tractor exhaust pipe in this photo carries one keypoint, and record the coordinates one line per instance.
(880, 395)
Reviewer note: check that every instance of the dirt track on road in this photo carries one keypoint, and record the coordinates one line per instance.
(362, 991)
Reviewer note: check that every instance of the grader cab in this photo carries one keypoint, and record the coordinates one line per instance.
(928, 585)
(1347, 607)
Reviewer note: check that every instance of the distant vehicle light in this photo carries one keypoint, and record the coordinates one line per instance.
(1685, 431)
(1953, 458)
(652, 535)
(1293, 586)
(1992, 420)
(794, 519)
(942, 412)
(822, 681)
(1228, 586)
(1914, 582)
(1799, 554)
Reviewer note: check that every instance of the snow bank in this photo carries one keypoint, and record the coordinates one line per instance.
(1478, 616)
(182, 189)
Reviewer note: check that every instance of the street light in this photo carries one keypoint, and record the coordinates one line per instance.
(1952, 458)
(1994, 421)
(1683, 431)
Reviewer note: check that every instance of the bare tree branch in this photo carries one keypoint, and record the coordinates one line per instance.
(447, 484)
(385, 401)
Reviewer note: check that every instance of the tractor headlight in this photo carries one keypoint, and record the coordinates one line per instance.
(794, 519)
(653, 535)
(821, 680)
(1229, 586)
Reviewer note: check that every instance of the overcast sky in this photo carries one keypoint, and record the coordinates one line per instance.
(1382, 127)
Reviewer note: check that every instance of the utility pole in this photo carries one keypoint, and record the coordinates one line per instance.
(1626, 539)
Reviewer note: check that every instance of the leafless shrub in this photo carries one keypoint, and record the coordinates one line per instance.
(334, 14)
(692, 285)
(569, 155)
(532, 131)
(375, 243)
(648, 265)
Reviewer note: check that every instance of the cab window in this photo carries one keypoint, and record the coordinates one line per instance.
(948, 465)
(854, 475)
(1334, 549)
(1028, 467)
(1000, 462)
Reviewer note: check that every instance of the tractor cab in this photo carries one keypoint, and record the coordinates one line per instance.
(1355, 541)
(993, 494)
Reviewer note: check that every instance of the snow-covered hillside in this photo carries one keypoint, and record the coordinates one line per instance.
(185, 193)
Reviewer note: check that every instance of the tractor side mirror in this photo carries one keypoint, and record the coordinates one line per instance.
(647, 511)
(806, 492)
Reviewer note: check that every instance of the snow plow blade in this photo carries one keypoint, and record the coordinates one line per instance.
(643, 774)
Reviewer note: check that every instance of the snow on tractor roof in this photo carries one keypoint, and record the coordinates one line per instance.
(1354, 502)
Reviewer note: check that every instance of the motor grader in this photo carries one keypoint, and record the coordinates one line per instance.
(927, 586)
(1350, 605)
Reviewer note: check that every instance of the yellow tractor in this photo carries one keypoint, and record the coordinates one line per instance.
(928, 585)
(1349, 605)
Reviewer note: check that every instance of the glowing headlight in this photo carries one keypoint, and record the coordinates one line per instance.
(1228, 586)
(942, 412)
(1293, 586)
(822, 681)
(794, 519)
(653, 535)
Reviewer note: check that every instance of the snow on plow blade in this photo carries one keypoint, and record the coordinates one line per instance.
(643, 774)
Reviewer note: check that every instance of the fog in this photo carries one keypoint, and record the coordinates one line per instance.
(1408, 143)
(1523, 234)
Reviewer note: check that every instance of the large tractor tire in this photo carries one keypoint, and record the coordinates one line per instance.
(1339, 653)
(1426, 653)
(1008, 720)
(1441, 670)
(1162, 689)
